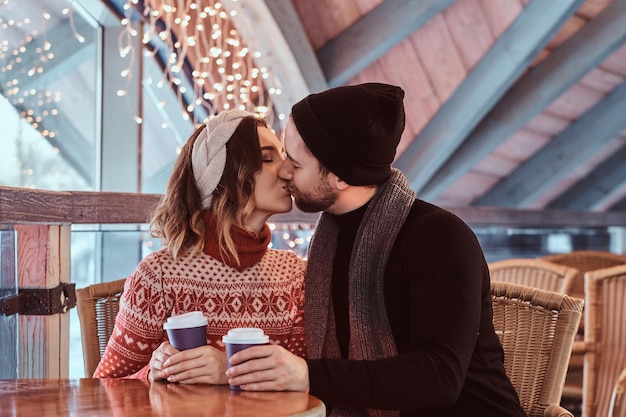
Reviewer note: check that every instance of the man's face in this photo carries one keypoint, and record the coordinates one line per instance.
(309, 187)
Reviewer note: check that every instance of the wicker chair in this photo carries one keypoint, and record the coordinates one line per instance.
(584, 261)
(536, 329)
(535, 273)
(605, 337)
(617, 407)
(97, 305)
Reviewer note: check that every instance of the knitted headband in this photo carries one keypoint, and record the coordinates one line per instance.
(208, 157)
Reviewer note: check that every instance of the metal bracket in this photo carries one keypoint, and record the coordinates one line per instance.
(40, 301)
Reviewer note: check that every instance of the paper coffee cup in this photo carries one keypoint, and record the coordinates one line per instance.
(242, 338)
(186, 331)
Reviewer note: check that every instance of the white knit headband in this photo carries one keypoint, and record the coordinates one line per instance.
(208, 157)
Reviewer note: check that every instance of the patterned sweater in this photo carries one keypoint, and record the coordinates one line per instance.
(268, 295)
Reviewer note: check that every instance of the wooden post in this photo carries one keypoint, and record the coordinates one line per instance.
(43, 261)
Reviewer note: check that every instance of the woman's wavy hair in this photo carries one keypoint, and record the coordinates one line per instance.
(179, 218)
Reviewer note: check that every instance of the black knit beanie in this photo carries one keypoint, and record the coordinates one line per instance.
(353, 130)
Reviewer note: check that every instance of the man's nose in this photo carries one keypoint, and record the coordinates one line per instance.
(285, 170)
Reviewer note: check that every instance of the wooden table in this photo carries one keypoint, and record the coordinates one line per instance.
(128, 397)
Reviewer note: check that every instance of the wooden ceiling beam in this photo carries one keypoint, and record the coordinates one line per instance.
(295, 36)
(272, 27)
(578, 142)
(375, 33)
(596, 187)
(482, 88)
(534, 92)
(620, 207)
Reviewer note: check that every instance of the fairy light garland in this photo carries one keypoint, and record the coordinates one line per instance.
(198, 34)
(207, 59)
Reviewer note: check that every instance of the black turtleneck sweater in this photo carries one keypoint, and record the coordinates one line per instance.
(436, 289)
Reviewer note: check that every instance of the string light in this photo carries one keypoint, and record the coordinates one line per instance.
(293, 236)
(199, 34)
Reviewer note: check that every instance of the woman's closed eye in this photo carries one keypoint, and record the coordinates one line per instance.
(270, 154)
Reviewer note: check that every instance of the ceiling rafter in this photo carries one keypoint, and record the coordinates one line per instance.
(295, 36)
(596, 187)
(619, 207)
(534, 92)
(482, 88)
(344, 56)
(562, 154)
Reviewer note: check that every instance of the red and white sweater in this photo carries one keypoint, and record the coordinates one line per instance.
(268, 295)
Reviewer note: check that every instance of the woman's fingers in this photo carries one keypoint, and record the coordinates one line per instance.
(204, 364)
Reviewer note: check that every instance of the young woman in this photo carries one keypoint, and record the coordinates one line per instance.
(215, 259)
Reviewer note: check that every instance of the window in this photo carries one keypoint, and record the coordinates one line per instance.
(48, 109)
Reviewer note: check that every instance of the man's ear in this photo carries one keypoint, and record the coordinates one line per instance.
(335, 182)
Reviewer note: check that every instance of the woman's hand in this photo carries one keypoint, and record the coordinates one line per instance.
(159, 356)
(203, 364)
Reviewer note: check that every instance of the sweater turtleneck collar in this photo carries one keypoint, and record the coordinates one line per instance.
(351, 219)
(250, 246)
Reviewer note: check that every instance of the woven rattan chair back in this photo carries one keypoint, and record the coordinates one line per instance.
(535, 273)
(605, 337)
(97, 306)
(536, 329)
(617, 407)
(585, 261)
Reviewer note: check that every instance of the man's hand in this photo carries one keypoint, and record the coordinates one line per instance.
(203, 364)
(268, 368)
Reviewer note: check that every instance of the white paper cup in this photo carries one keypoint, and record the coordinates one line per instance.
(186, 331)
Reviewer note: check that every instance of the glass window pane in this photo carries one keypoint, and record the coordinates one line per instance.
(48, 119)
(165, 128)
(101, 256)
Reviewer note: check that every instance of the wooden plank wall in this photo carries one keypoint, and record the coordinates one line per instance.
(8, 287)
(43, 261)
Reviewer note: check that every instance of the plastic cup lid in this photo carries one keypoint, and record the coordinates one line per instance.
(245, 335)
(185, 320)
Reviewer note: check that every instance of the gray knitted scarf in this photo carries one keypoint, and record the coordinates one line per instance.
(370, 332)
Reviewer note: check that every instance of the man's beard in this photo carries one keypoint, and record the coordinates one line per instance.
(320, 200)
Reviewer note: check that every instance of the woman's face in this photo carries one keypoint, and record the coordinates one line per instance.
(270, 192)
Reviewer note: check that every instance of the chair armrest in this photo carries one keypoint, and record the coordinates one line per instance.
(616, 406)
(555, 410)
(579, 346)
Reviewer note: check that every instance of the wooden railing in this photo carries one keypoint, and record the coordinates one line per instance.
(21, 205)
(42, 221)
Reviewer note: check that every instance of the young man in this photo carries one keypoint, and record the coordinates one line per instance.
(398, 316)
